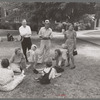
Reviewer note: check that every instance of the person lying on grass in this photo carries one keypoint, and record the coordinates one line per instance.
(32, 56)
(48, 69)
(17, 61)
(8, 81)
(60, 61)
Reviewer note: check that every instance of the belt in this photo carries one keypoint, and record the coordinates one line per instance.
(45, 39)
(22, 38)
(26, 37)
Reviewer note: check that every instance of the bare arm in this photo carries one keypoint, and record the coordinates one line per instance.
(11, 59)
(23, 58)
(40, 34)
(65, 34)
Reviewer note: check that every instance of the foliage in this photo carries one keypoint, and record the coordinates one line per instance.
(36, 12)
(12, 26)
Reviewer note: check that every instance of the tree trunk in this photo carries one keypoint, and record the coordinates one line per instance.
(97, 23)
(37, 24)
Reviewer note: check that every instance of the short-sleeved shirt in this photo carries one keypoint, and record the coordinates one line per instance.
(45, 32)
(6, 76)
(17, 59)
(25, 31)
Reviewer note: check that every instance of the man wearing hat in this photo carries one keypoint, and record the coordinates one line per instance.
(45, 35)
(25, 33)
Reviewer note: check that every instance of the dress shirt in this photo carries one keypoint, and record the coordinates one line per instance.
(25, 31)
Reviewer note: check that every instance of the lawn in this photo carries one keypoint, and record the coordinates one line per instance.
(82, 82)
(29, 88)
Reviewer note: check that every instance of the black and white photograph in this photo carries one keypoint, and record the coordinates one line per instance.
(49, 49)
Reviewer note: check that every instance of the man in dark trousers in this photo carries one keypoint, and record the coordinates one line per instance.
(25, 33)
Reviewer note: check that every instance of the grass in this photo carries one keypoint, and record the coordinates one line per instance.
(82, 82)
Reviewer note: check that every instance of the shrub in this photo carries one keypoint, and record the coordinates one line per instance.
(11, 26)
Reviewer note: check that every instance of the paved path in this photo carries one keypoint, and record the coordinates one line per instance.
(92, 36)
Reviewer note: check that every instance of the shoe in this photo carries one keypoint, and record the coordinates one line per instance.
(68, 65)
(37, 79)
(35, 71)
(73, 67)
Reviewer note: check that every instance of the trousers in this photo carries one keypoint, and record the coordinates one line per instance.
(44, 52)
(26, 44)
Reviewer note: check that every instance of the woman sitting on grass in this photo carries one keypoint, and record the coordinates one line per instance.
(17, 61)
(8, 81)
(60, 61)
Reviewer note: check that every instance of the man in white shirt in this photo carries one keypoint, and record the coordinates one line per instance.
(45, 35)
(25, 32)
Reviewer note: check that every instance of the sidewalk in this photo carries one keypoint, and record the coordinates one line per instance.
(92, 36)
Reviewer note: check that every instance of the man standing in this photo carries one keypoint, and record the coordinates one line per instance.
(45, 35)
(25, 32)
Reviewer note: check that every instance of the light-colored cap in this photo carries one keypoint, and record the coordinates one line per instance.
(47, 22)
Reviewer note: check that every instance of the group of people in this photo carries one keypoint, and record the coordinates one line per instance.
(20, 61)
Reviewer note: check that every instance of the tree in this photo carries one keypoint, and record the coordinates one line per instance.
(97, 10)
(36, 12)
